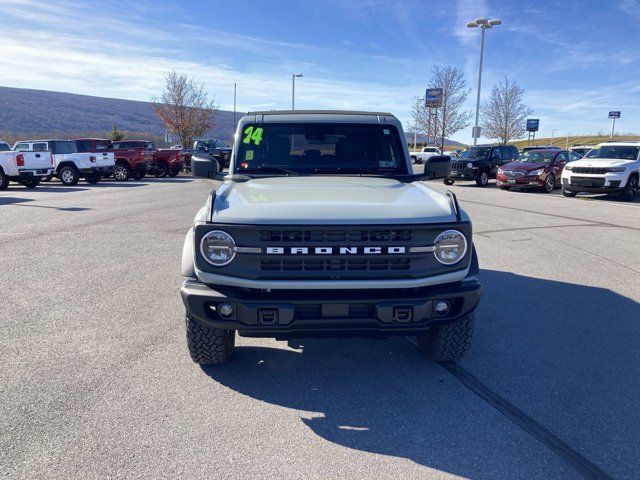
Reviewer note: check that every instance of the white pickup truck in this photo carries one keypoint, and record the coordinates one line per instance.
(27, 168)
(425, 154)
(69, 165)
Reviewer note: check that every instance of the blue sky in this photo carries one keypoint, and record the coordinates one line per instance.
(576, 59)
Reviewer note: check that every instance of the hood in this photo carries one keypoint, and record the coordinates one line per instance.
(601, 162)
(342, 200)
(527, 167)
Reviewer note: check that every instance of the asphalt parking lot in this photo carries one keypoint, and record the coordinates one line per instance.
(96, 381)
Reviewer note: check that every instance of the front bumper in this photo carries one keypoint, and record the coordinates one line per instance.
(608, 183)
(519, 182)
(467, 174)
(288, 313)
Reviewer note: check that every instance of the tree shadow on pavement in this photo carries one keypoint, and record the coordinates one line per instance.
(383, 397)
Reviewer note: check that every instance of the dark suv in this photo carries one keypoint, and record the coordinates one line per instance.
(480, 163)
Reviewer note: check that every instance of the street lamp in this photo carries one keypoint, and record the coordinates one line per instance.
(293, 89)
(484, 24)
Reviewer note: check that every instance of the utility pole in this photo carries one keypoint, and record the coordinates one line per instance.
(552, 135)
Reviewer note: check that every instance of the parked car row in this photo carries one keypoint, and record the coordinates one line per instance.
(31, 161)
(610, 167)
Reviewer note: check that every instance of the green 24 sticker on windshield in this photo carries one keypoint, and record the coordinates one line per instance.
(253, 135)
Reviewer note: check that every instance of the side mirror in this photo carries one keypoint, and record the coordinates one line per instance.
(205, 167)
(438, 166)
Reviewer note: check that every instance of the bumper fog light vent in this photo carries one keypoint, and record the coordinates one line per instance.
(225, 310)
(441, 308)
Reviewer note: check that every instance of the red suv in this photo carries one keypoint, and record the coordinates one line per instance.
(539, 169)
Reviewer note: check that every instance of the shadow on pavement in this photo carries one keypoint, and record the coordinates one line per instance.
(14, 200)
(59, 188)
(577, 364)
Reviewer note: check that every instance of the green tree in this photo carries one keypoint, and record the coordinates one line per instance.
(116, 135)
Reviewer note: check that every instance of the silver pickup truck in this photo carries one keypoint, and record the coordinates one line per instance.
(321, 228)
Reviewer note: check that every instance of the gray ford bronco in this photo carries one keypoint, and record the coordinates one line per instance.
(321, 228)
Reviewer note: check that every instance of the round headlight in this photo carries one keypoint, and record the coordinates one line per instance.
(469, 165)
(218, 248)
(450, 247)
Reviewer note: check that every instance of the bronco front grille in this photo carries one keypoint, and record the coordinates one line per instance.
(321, 235)
(334, 264)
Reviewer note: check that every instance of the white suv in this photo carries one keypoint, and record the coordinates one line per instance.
(611, 167)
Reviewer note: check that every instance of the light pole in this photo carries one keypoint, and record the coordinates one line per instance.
(484, 24)
(235, 88)
(293, 89)
(552, 135)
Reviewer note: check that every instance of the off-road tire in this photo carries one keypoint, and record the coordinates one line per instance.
(567, 193)
(92, 178)
(174, 173)
(549, 186)
(209, 346)
(482, 179)
(31, 183)
(448, 181)
(121, 172)
(447, 343)
(69, 176)
(4, 180)
(630, 190)
(161, 170)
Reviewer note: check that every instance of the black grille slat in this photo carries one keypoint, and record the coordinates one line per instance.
(335, 264)
(333, 236)
(458, 166)
(589, 170)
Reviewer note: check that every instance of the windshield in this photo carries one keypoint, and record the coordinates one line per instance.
(476, 152)
(320, 148)
(534, 156)
(623, 152)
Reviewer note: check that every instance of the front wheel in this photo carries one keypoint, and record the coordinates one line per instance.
(449, 342)
(448, 181)
(482, 179)
(567, 193)
(629, 192)
(122, 172)
(68, 176)
(161, 170)
(209, 346)
(31, 183)
(549, 183)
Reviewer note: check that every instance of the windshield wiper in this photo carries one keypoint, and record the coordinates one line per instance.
(270, 168)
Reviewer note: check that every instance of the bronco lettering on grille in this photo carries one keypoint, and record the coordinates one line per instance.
(335, 250)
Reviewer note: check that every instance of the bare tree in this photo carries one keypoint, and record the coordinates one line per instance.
(504, 115)
(184, 108)
(450, 117)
